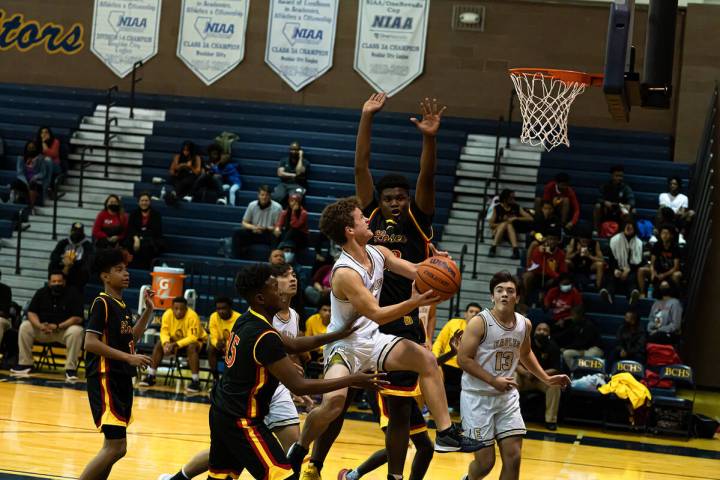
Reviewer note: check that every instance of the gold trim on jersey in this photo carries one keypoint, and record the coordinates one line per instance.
(108, 416)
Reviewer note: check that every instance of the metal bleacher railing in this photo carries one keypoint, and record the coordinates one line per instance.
(701, 199)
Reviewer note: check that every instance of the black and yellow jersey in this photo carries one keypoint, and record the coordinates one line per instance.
(112, 320)
(246, 387)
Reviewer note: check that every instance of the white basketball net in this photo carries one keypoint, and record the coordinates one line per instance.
(544, 105)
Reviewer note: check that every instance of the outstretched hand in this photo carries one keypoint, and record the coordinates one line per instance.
(375, 103)
(562, 381)
(429, 124)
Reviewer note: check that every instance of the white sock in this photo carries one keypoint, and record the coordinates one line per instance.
(195, 377)
(151, 371)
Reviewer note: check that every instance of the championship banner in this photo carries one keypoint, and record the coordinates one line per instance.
(301, 39)
(390, 42)
(124, 32)
(211, 41)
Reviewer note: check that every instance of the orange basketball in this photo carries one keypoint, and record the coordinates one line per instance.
(439, 274)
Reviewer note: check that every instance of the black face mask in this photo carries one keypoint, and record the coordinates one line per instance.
(56, 289)
(542, 339)
(77, 237)
(114, 208)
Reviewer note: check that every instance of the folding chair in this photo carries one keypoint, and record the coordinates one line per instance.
(46, 357)
(672, 414)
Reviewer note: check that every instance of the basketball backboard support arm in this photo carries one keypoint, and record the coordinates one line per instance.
(621, 82)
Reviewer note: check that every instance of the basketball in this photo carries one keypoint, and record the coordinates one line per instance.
(439, 274)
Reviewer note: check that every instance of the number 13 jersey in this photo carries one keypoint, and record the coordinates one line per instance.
(498, 352)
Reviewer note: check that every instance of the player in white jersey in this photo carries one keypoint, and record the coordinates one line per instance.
(355, 287)
(282, 419)
(493, 343)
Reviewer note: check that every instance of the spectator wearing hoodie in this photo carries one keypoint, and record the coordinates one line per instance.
(111, 224)
(665, 317)
(292, 223)
(72, 256)
(560, 300)
(144, 238)
(225, 172)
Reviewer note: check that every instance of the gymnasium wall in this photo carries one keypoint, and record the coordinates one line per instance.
(467, 70)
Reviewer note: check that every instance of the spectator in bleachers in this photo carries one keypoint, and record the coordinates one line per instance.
(317, 324)
(180, 333)
(630, 340)
(626, 257)
(548, 355)
(34, 172)
(111, 224)
(51, 149)
(292, 223)
(225, 172)
(664, 261)
(560, 300)
(563, 199)
(221, 323)
(676, 201)
(277, 257)
(5, 311)
(320, 285)
(292, 172)
(665, 318)
(546, 263)
(259, 222)
(144, 239)
(445, 351)
(72, 256)
(208, 187)
(580, 339)
(55, 314)
(585, 259)
(184, 171)
(617, 200)
(506, 220)
(545, 220)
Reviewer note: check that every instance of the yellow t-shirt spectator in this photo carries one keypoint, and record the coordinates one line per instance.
(442, 342)
(315, 326)
(220, 329)
(181, 331)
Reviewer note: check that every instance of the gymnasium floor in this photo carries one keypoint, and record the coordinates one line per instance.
(46, 432)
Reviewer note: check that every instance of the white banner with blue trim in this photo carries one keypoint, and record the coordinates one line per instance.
(301, 39)
(211, 41)
(124, 32)
(390, 42)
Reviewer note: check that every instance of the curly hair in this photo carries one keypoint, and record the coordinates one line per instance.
(336, 217)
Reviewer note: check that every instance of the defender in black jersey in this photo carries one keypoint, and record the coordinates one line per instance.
(111, 361)
(255, 362)
(403, 225)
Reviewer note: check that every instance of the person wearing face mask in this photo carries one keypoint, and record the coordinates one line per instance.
(55, 314)
(34, 172)
(221, 323)
(292, 172)
(292, 224)
(665, 318)
(111, 224)
(560, 300)
(144, 239)
(548, 355)
(626, 256)
(258, 223)
(72, 256)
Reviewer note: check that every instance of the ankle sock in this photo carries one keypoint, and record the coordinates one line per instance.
(195, 377)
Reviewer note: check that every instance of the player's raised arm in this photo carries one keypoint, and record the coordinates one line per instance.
(530, 362)
(364, 188)
(428, 124)
(347, 284)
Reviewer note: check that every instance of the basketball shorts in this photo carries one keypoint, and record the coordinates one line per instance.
(488, 418)
(111, 398)
(282, 409)
(404, 383)
(417, 421)
(361, 355)
(238, 444)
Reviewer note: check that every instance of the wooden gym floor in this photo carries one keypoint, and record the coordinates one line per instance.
(46, 432)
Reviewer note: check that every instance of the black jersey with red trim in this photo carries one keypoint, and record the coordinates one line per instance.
(112, 320)
(247, 386)
(408, 237)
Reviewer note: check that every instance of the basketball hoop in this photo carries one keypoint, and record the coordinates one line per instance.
(545, 97)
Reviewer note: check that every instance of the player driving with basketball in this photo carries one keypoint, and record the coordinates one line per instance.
(357, 278)
(494, 342)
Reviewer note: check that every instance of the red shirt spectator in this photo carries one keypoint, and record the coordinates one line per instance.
(111, 224)
(555, 191)
(298, 220)
(561, 303)
(551, 264)
(50, 144)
